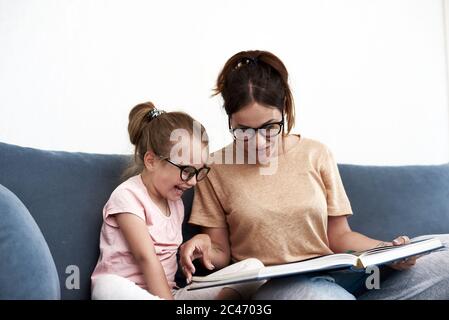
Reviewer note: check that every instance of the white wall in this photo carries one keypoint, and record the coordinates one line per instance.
(369, 77)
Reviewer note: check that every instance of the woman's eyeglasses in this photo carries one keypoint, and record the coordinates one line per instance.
(188, 172)
(269, 130)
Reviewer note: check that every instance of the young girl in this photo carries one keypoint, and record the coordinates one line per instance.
(141, 232)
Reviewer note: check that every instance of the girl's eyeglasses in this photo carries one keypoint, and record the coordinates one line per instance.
(188, 172)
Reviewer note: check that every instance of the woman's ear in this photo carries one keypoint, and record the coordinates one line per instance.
(149, 160)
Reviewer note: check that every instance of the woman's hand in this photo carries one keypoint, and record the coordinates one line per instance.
(200, 246)
(406, 263)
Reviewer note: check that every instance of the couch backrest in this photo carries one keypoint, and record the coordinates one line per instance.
(389, 201)
(65, 193)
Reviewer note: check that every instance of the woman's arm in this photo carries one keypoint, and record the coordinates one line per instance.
(136, 234)
(342, 239)
(211, 246)
(220, 254)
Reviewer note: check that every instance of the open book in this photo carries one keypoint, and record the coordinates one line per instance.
(376, 256)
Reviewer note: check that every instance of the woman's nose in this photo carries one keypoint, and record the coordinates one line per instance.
(261, 140)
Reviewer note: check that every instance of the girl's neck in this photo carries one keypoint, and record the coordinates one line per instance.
(154, 194)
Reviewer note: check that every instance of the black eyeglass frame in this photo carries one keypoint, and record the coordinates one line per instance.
(232, 130)
(194, 173)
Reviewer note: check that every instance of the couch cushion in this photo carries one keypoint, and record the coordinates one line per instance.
(26, 264)
(394, 200)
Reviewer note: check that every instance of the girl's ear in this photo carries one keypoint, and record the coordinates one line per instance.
(149, 160)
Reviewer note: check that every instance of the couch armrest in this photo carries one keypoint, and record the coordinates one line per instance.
(27, 269)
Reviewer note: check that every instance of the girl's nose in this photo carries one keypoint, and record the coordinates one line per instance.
(192, 181)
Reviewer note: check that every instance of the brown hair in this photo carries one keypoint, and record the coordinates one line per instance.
(149, 133)
(256, 76)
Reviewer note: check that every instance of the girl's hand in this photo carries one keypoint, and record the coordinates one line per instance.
(199, 246)
(407, 262)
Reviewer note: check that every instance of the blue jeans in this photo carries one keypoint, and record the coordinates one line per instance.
(428, 279)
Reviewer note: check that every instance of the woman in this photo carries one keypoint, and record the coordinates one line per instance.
(298, 210)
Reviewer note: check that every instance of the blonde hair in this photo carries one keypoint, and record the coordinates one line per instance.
(149, 133)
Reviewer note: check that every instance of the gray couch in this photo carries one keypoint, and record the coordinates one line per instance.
(51, 212)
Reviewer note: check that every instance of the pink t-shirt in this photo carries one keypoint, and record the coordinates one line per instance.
(165, 232)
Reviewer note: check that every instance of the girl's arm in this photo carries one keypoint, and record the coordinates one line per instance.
(136, 234)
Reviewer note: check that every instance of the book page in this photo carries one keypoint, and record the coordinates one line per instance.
(394, 253)
(333, 261)
(229, 276)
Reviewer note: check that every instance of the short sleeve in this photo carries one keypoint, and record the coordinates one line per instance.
(207, 210)
(122, 200)
(337, 201)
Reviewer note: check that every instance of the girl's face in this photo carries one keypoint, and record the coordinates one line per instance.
(255, 116)
(166, 176)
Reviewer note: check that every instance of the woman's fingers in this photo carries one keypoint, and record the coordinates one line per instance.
(407, 262)
(411, 261)
(401, 240)
(186, 273)
(206, 259)
(404, 264)
(186, 260)
(193, 249)
(400, 266)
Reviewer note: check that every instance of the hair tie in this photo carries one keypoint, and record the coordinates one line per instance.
(246, 61)
(253, 60)
(154, 113)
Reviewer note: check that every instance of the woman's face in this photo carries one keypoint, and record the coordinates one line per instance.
(255, 116)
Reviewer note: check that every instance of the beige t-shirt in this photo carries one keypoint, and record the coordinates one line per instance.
(276, 218)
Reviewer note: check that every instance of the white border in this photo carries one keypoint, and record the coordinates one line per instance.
(445, 5)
